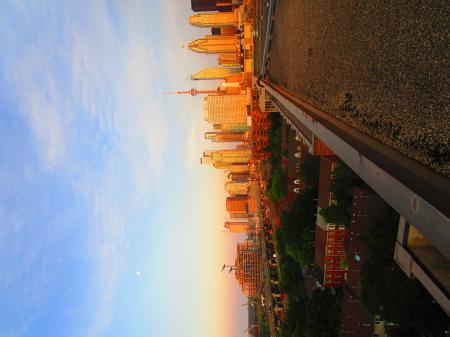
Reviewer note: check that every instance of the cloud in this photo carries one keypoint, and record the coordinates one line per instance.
(88, 85)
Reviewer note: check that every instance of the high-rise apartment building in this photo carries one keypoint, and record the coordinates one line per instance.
(237, 226)
(219, 109)
(248, 268)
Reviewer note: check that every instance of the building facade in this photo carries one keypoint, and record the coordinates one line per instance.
(236, 205)
(248, 268)
(240, 227)
(215, 19)
(221, 109)
(237, 188)
(211, 5)
(214, 44)
(215, 73)
(224, 137)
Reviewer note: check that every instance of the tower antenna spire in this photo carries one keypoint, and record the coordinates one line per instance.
(192, 92)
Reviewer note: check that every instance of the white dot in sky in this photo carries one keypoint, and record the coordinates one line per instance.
(138, 273)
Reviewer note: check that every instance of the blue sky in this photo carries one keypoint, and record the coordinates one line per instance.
(99, 174)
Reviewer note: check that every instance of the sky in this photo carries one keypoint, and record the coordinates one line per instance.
(109, 225)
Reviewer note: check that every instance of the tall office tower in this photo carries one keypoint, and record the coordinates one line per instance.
(216, 19)
(231, 156)
(239, 177)
(235, 127)
(211, 5)
(248, 268)
(237, 227)
(237, 204)
(225, 108)
(235, 168)
(235, 188)
(215, 73)
(211, 44)
(221, 137)
(238, 156)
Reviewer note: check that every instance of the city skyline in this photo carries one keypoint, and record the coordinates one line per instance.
(112, 134)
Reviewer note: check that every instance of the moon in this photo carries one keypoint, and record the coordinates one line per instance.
(138, 273)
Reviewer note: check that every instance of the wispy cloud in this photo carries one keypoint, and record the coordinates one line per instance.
(88, 85)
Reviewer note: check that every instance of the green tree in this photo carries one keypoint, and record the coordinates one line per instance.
(386, 291)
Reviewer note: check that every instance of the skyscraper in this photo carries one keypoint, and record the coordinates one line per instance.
(211, 44)
(231, 156)
(216, 19)
(236, 204)
(211, 5)
(237, 227)
(236, 127)
(235, 168)
(225, 108)
(237, 188)
(215, 73)
(239, 177)
(220, 137)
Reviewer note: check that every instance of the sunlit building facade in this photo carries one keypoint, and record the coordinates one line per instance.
(248, 268)
(213, 44)
(214, 73)
(224, 137)
(239, 227)
(215, 19)
(236, 204)
(220, 109)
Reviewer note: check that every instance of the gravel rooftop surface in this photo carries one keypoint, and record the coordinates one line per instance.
(381, 66)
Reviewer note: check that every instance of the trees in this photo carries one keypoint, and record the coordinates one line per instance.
(386, 291)
(277, 185)
(298, 224)
(341, 187)
(312, 317)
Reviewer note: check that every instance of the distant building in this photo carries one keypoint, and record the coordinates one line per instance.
(219, 109)
(211, 5)
(215, 19)
(237, 226)
(237, 188)
(237, 156)
(239, 177)
(237, 204)
(234, 168)
(213, 44)
(215, 73)
(235, 127)
(248, 268)
(221, 137)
